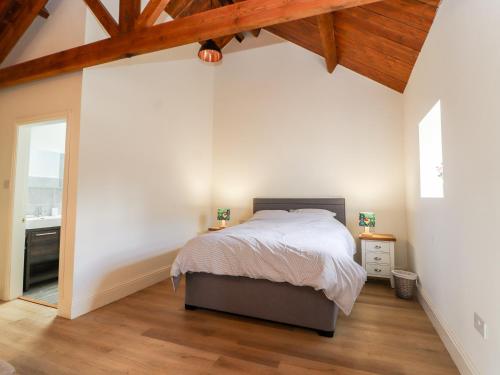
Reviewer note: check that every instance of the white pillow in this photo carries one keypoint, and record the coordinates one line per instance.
(271, 214)
(315, 211)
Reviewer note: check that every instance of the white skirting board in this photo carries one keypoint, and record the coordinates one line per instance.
(84, 305)
(449, 338)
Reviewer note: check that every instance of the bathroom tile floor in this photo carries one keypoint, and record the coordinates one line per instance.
(44, 292)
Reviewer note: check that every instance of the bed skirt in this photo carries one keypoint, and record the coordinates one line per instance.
(279, 302)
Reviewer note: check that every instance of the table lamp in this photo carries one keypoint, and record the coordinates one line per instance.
(367, 220)
(223, 214)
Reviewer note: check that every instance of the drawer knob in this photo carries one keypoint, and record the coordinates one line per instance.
(377, 258)
(378, 247)
(377, 270)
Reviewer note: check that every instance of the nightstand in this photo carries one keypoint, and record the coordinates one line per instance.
(377, 251)
(214, 229)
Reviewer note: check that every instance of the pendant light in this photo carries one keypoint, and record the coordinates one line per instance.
(210, 52)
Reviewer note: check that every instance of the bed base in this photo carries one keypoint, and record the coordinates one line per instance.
(300, 306)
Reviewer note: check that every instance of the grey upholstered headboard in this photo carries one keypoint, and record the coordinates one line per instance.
(336, 205)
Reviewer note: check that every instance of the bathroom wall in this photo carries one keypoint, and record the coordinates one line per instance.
(44, 196)
(46, 169)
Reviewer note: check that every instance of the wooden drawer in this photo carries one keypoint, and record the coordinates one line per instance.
(43, 245)
(41, 258)
(378, 257)
(381, 270)
(43, 254)
(378, 246)
(43, 237)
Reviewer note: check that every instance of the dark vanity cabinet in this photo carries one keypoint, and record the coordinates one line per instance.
(41, 257)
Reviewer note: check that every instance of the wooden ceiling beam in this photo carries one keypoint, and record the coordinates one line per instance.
(304, 33)
(44, 13)
(327, 32)
(130, 10)
(256, 32)
(239, 36)
(177, 7)
(151, 13)
(104, 17)
(14, 29)
(414, 13)
(4, 7)
(434, 3)
(184, 8)
(223, 41)
(215, 23)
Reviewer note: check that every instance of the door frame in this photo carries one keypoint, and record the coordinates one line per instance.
(68, 209)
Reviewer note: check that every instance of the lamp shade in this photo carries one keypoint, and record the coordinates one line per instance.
(210, 52)
(366, 219)
(223, 214)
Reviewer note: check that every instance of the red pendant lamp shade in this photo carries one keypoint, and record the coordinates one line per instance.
(210, 52)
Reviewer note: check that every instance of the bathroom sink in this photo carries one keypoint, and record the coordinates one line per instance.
(43, 222)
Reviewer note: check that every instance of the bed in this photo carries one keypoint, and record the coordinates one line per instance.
(278, 296)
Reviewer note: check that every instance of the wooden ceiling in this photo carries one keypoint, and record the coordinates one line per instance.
(15, 18)
(380, 39)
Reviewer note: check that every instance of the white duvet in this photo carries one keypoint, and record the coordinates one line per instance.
(301, 249)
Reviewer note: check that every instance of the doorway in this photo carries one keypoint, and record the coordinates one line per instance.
(37, 211)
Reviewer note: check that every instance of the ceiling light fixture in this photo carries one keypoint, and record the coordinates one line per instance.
(210, 52)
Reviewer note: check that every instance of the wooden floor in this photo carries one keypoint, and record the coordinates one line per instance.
(151, 333)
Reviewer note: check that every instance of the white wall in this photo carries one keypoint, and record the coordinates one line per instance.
(450, 248)
(285, 128)
(145, 169)
(37, 100)
(62, 30)
(59, 95)
(281, 128)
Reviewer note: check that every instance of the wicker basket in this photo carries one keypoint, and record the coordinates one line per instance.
(405, 283)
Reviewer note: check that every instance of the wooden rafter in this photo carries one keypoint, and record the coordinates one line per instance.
(238, 36)
(232, 19)
(104, 17)
(197, 6)
(129, 12)
(184, 8)
(44, 13)
(327, 32)
(178, 8)
(22, 18)
(256, 32)
(223, 41)
(380, 41)
(151, 13)
(4, 7)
